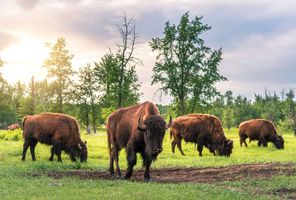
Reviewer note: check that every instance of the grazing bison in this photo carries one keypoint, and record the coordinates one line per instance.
(203, 130)
(138, 129)
(59, 130)
(13, 127)
(261, 130)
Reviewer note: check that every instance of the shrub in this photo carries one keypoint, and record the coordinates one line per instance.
(14, 135)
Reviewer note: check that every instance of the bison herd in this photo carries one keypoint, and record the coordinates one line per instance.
(141, 129)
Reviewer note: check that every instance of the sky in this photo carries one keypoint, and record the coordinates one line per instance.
(258, 38)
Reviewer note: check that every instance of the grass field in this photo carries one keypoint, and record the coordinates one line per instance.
(18, 179)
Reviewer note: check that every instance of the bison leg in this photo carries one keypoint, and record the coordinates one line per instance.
(25, 148)
(57, 150)
(33, 144)
(259, 143)
(111, 165)
(115, 157)
(263, 142)
(52, 154)
(173, 146)
(132, 160)
(245, 143)
(147, 164)
(243, 140)
(200, 146)
(179, 145)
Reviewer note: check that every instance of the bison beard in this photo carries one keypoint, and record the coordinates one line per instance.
(126, 129)
(59, 130)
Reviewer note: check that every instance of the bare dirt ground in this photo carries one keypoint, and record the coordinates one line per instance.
(195, 175)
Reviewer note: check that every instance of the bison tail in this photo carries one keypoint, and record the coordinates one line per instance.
(109, 138)
(23, 125)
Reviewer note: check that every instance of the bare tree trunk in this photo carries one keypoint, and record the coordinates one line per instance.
(126, 50)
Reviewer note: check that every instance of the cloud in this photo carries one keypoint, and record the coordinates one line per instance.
(6, 40)
(257, 37)
(27, 4)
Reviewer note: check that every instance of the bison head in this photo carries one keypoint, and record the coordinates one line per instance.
(154, 130)
(225, 148)
(279, 142)
(79, 151)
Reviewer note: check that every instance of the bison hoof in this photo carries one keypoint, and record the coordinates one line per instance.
(148, 180)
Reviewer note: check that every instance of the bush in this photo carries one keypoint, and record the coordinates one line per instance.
(14, 135)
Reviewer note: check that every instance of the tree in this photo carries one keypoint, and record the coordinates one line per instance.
(185, 67)
(126, 58)
(59, 67)
(228, 117)
(117, 84)
(7, 114)
(88, 90)
(290, 109)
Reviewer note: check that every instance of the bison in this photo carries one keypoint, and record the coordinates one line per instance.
(13, 127)
(59, 130)
(203, 130)
(261, 130)
(138, 129)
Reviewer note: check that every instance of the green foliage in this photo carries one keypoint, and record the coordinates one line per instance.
(105, 112)
(289, 110)
(185, 67)
(109, 72)
(227, 118)
(60, 69)
(14, 135)
(87, 95)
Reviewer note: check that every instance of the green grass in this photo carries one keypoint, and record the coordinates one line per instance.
(17, 182)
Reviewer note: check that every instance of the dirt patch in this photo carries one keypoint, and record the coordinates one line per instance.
(194, 175)
(286, 193)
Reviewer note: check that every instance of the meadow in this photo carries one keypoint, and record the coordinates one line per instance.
(30, 180)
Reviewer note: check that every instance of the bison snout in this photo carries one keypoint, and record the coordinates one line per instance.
(157, 150)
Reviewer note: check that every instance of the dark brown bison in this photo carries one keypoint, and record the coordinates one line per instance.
(203, 130)
(261, 130)
(138, 129)
(13, 127)
(59, 130)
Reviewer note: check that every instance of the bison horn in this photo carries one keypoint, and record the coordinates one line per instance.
(229, 142)
(141, 127)
(79, 146)
(170, 123)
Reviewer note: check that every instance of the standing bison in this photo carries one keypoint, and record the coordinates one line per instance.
(138, 129)
(203, 130)
(261, 130)
(59, 130)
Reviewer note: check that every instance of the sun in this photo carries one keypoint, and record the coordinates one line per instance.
(24, 59)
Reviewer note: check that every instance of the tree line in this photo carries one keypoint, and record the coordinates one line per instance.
(185, 68)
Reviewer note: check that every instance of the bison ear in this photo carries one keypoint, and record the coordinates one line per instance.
(170, 123)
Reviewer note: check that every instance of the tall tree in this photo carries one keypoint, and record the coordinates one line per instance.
(108, 72)
(60, 69)
(125, 55)
(185, 67)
